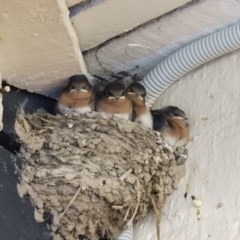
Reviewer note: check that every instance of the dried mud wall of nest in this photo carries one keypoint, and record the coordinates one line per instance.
(91, 174)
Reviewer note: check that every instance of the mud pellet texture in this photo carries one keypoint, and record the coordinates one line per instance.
(90, 175)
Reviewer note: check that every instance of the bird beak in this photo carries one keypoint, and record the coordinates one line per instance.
(73, 90)
(140, 97)
(177, 117)
(117, 97)
(83, 90)
(78, 89)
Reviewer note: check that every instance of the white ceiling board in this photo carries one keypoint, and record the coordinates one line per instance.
(71, 3)
(110, 18)
(147, 46)
(38, 46)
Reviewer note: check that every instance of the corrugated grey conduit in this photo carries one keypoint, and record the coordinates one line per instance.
(188, 58)
(183, 61)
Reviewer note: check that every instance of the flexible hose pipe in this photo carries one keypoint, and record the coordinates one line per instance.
(188, 58)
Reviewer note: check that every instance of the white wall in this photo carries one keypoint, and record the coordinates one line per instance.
(211, 97)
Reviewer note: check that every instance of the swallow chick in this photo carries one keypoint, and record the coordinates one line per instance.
(141, 114)
(77, 97)
(113, 100)
(171, 121)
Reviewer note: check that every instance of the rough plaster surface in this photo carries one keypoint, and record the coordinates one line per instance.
(112, 17)
(142, 49)
(210, 96)
(38, 46)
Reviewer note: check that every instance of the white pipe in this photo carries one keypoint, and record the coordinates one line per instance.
(189, 58)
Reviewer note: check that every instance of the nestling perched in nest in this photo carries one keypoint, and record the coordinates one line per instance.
(93, 174)
(141, 114)
(77, 97)
(171, 121)
(125, 103)
(113, 99)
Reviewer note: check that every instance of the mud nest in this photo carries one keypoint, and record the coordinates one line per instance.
(92, 175)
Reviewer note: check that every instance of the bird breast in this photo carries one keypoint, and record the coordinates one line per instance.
(114, 105)
(75, 100)
(145, 119)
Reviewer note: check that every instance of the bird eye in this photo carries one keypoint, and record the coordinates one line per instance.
(72, 88)
(85, 87)
(110, 94)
